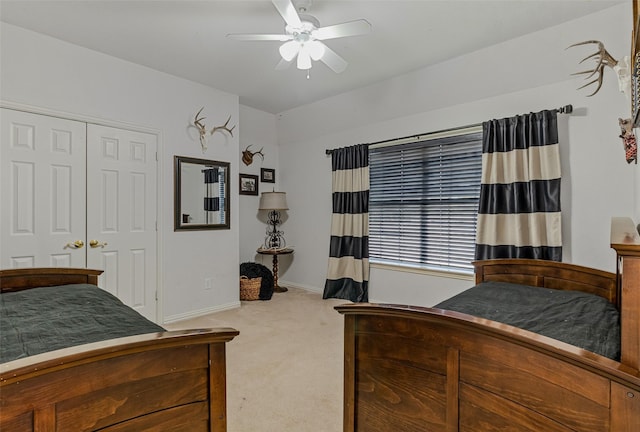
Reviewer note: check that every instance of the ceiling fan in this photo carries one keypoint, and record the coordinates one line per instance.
(303, 36)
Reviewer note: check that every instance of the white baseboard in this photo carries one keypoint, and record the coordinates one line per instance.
(200, 312)
(303, 287)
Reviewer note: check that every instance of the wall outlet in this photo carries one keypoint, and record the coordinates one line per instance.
(208, 284)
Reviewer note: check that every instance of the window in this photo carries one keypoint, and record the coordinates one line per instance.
(423, 201)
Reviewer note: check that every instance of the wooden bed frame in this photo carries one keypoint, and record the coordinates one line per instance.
(168, 381)
(425, 369)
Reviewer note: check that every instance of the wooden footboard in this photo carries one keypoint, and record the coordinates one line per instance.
(416, 369)
(166, 381)
(171, 381)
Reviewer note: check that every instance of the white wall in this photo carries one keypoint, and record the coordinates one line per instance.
(527, 74)
(258, 130)
(47, 73)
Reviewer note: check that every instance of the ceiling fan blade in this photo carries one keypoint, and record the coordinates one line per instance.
(288, 12)
(283, 64)
(259, 37)
(351, 28)
(333, 60)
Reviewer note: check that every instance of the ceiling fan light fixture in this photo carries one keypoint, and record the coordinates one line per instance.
(288, 50)
(316, 49)
(304, 59)
(304, 36)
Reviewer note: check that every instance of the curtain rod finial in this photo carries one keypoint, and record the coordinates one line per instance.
(567, 109)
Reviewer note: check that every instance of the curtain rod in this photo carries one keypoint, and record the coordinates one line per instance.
(567, 109)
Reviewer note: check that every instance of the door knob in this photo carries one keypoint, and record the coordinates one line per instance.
(96, 243)
(78, 244)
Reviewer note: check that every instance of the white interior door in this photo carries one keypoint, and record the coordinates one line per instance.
(121, 214)
(42, 176)
(78, 195)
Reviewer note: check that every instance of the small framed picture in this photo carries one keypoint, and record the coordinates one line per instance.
(267, 175)
(248, 184)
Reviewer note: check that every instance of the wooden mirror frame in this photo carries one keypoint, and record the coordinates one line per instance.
(179, 212)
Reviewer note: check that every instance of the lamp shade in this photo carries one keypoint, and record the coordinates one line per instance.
(304, 59)
(316, 49)
(273, 201)
(288, 50)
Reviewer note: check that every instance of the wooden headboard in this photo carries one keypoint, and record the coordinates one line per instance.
(20, 279)
(549, 274)
(626, 242)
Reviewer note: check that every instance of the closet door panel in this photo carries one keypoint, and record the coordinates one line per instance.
(42, 177)
(121, 214)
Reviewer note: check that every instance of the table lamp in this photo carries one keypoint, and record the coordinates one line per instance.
(273, 202)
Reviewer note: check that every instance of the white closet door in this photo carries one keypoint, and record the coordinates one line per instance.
(121, 214)
(42, 176)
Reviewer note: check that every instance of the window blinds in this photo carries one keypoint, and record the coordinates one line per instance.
(424, 202)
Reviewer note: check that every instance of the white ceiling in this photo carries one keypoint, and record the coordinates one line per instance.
(187, 38)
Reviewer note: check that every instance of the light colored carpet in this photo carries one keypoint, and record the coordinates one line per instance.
(285, 369)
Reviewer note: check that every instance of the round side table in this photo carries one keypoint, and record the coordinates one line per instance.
(276, 253)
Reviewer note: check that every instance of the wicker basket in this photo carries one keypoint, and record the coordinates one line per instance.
(250, 288)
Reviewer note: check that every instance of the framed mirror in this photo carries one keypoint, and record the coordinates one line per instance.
(201, 194)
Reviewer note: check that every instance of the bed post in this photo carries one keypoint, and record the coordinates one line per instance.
(217, 387)
(626, 242)
(350, 326)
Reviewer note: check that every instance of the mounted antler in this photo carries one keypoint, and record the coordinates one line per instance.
(197, 122)
(247, 156)
(202, 129)
(224, 127)
(604, 59)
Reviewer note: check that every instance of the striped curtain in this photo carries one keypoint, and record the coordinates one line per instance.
(519, 210)
(212, 195)
(348, 272)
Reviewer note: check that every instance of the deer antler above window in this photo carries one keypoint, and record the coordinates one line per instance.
(197, 122)
(603, 58)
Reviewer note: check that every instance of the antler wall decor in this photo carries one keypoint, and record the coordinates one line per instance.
(603, 58)
(247, 156)
(623, 72)
(203, 130)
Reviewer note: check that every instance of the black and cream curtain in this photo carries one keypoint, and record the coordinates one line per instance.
(348, 270)
(519, 210)
(211, 195)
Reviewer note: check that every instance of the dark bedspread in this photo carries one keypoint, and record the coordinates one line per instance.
(45, 319)
(583, 320)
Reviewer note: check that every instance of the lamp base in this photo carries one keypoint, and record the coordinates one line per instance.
(274, 238)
